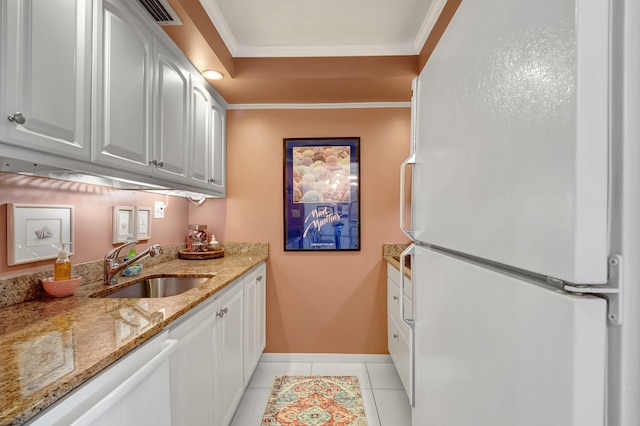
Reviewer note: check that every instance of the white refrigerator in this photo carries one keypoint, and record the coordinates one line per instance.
(525, 217)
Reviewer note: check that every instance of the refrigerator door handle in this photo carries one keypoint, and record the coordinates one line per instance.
(403, 166)
(408, 251)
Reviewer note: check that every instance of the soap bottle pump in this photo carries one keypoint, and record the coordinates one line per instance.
(213, 245)
(62, 266)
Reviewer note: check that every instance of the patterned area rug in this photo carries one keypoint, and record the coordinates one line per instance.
(315, 401)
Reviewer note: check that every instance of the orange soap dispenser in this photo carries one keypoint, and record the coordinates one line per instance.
(62, 267)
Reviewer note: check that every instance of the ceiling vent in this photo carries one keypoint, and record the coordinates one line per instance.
(161, 12)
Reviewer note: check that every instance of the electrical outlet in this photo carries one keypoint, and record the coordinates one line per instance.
(158, 210)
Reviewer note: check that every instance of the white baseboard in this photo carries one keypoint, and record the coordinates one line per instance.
(306, 357)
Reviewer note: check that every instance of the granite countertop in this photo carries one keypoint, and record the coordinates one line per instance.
(50, 346)
(391, 254)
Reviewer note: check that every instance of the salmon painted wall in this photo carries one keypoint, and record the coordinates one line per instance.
(326, 302)
(316, 302)
(92, 216)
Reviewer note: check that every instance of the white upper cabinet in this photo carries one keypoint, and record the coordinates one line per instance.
(171, 104)
(122, 90)
(46, 75)
(208, 141)
(97, 86)
(201, 135)
(218, 158)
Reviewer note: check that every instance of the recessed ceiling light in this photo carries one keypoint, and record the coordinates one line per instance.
(213, 75)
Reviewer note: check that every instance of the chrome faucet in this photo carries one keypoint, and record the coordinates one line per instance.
(112, 267)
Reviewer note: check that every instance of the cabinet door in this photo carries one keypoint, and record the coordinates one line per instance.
(192, 369)
(132, 391)
(47, 75)
(171, 139)
(231, 366)
(254, 317)
(201, 135)
(208, 132)
(250, 322)
(218, 149)
(261, 312)
(123, 90)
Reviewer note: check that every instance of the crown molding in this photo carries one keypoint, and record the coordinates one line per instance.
(396, 49)
(353, 105)
(429, 22)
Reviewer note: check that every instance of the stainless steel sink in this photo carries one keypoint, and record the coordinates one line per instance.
(158, 287)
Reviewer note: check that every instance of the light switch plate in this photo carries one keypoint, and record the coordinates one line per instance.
(158, 210)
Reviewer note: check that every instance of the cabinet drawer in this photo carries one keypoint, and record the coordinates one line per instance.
(400, 351)
(393, 298)
(394, 275)
(393, 303)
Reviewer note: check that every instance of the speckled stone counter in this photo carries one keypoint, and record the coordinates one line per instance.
(50, 346)
(390, 253)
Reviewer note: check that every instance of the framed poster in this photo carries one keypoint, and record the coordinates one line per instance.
(322, 194)
(36, 232)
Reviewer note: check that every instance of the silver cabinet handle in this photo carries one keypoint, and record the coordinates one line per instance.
(17, 118)
(156, 163)
(222, 312)
(212, 180)
(395, 297)
(259, 278)
(395, 335)
(225, 310)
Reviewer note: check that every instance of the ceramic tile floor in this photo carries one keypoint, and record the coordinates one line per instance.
(385, 401)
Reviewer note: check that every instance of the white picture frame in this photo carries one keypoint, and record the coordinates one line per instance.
(36, 232)
(123, 224)
(143, 223)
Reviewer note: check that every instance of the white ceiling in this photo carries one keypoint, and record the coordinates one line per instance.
(308, 28)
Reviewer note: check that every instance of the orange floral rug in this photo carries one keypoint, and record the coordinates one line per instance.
(315, 401)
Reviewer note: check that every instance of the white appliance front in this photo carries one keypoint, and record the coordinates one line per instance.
(494, 349)
(511, 137)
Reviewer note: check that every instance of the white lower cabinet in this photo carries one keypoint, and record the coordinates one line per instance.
(133, 391)
(399, 334)
(230, 326)
(191, 374)
(208, 367)
(255, 319)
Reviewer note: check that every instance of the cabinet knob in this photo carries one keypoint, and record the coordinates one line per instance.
(212, 180)
(259, 278)
(17, 118)
(220, 313)
(225, 310)
(395, 297)
(156, 163)
(395, 335)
